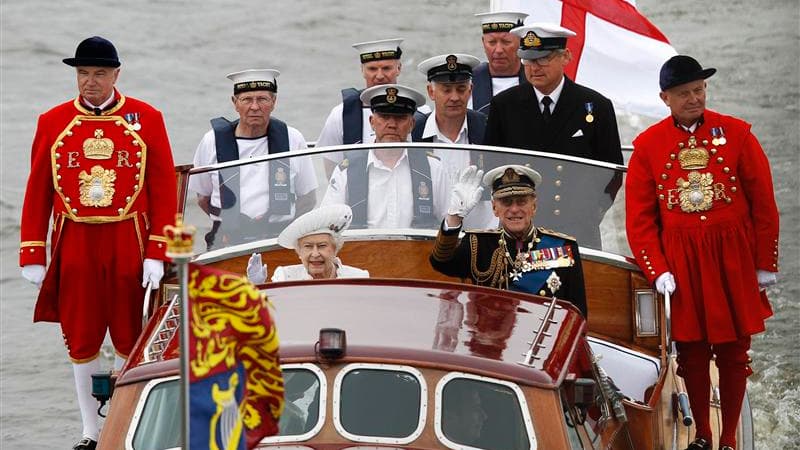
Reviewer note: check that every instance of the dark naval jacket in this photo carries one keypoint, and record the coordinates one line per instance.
(482, 86)
(479, 257)
(583, 123)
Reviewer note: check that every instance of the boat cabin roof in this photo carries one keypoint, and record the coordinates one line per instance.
(423, 323)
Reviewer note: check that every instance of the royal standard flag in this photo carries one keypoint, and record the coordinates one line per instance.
(236, 386)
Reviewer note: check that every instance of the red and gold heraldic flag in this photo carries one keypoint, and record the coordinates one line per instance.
(236, 385)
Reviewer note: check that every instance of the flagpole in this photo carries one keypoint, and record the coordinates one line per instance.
(180, 250)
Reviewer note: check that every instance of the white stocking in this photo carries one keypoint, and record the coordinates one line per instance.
(88, 404)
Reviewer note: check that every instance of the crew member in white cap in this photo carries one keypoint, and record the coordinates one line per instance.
(552, 113)
(348, 122)
(518, 255)
(390, 188)
(450, 86)
(256, 200)
(503, 69)
(316, 236)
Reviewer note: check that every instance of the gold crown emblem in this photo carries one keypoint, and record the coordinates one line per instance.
(531, 40)
(98, 147)
(180, 238)
(391, 95)
(693, 157)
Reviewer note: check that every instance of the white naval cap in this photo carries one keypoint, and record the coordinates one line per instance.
(392, 99)
(379, 50)
(539, 39)
(450, 68)
(511, 180)
(500, 21)
(254, 80)
(330, 219)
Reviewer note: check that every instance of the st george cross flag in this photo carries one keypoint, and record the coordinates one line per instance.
(616, 52)
(236, 385)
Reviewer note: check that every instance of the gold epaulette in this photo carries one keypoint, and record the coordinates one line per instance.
(555, 233)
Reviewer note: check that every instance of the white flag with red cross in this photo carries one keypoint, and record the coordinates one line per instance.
(617, 51)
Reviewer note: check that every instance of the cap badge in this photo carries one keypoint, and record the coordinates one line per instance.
(452, 61)
(510, 176)
(391, 94)
(531, 40)
(98, 147)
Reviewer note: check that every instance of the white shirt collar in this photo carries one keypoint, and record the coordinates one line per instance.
(432, 130)
(553, 95)
(374, 161)
(102, 105)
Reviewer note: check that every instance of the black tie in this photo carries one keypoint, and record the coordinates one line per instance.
(546, 101)
(98, 111)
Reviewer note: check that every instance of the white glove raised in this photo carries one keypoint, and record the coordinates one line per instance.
(466, 192)
(34, 273)
(152, 271)
(665, 283)
(766, 278)
(256, 270)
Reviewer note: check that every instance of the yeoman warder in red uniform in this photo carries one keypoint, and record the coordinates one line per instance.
(102, 180)
(703, 225)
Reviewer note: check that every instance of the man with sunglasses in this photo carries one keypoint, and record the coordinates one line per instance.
(552, 113)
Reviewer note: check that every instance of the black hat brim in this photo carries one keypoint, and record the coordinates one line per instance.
(93, 62)
(688, 78)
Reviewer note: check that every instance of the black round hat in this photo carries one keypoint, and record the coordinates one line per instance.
(94, 51)
(682, 69)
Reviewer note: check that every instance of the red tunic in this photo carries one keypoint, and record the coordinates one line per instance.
(705, 212)
(109, 186)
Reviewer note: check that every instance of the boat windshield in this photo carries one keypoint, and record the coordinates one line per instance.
(401, 188)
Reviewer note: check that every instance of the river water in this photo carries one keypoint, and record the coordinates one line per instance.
(176, 53)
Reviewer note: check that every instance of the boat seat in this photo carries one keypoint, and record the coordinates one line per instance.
(633, 372)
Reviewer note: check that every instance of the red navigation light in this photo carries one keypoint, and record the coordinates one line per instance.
(332, 343)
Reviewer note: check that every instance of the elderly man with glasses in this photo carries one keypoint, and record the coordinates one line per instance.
(552, 113)
(258, 200)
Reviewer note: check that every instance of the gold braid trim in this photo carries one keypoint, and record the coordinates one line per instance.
(495, 275)
(444, 247)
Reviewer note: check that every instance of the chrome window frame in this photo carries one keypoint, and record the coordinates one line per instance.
(137, 412)
(423, 404)
(323, 402)
(437, 421)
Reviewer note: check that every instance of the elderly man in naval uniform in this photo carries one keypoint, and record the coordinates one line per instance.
(503, 69)
(101, 167)
(348, 122)
(450, 86)
(255, 201)
(702, 223)
(518, 255)
(391, 187)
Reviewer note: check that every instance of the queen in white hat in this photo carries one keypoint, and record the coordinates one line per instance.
(316, 236)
